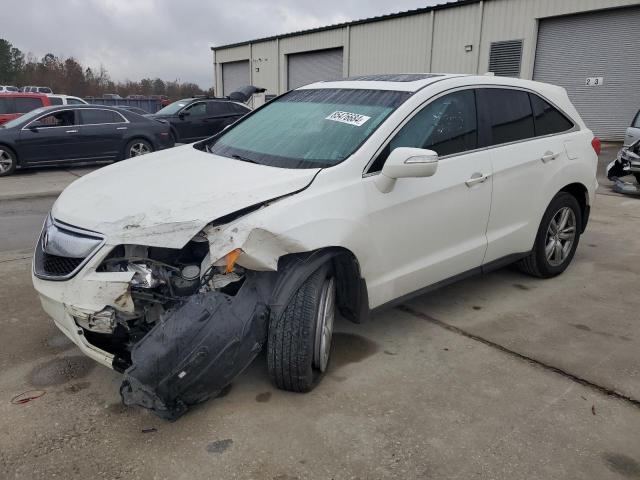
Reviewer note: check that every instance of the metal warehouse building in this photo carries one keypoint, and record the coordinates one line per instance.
(590, 47)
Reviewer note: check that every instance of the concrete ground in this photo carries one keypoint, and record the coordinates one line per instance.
(501, 377)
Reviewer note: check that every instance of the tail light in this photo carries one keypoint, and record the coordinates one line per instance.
(597, 145)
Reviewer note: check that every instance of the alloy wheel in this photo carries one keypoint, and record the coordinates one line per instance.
(324, 325)
(139, 148)
(6, 161)
(561, 234)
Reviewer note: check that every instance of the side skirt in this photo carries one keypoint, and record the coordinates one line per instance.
(486, 268)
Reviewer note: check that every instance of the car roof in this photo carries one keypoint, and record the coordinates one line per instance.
(413, 82)
(406, 82)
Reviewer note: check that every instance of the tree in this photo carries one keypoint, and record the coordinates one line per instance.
(6, 74)
(71, 77)
(75, 80)
(159, 88)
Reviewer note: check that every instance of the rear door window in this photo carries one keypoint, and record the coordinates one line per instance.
(218, 108)
(636, 121)
(548, 119)
(24, 104)
(509, 114)
(74, 101)
(93, 116)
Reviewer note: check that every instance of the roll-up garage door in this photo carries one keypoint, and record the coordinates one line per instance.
(235, 75)
(309, 67)
(596, 57)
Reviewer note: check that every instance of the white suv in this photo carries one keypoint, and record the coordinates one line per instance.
(345, 196)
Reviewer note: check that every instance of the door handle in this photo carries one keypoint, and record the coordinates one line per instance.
(477, 178)
(548, 157)
(121, 128)
(72, 131)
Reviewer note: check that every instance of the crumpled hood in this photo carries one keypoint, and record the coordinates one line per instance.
(165, 198)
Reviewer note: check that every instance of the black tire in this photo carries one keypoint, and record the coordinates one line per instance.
(637, 175)
(8, 161)
(537, 264)
(145, 144)
(291, 350)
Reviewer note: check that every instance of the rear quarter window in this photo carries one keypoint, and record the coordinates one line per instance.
(548, 119)
(55, 101)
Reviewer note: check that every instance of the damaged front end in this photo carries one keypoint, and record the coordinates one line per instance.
(195, 325)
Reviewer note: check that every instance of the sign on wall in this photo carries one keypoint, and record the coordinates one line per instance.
(594, 81)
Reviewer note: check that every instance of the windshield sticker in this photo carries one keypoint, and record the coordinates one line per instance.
(348, 118)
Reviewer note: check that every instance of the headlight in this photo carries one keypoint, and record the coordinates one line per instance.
(63, 242)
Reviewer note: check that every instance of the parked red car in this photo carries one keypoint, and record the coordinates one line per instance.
(12, 105)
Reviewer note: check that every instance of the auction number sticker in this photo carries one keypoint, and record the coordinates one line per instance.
(348, 118)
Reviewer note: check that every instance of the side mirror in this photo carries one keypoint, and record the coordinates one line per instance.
(183, 114)
(33, 128)
(405, 162)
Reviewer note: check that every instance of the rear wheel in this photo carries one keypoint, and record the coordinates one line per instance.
(637, 175)
(557, 238)
(8, 161)
(299, 344)
(137, 147)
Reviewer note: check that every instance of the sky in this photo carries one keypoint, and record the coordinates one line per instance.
(170, 39)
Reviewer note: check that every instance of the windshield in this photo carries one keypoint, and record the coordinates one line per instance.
(308, 128)
(24, 118)
(173, 108)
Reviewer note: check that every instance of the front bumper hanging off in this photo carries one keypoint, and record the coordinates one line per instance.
(198, 348)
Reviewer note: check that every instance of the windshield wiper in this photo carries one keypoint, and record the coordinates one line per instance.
(244, 159)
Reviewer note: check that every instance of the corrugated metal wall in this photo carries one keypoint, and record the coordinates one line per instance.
(453, 29)
(397, 45)
(428, 41)
(604, 45)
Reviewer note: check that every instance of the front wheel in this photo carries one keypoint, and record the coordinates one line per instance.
(8, 161)
(299, 344)
(557, 238)
(137, 147)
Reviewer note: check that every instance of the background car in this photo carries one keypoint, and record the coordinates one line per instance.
(79, 133)
(193, 119)
(65, 100)
(32, 89)
(632, 134)
(14, 104)
(8, 88)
